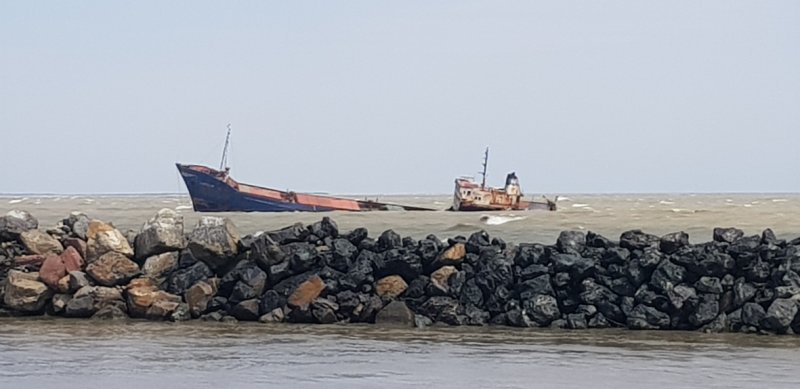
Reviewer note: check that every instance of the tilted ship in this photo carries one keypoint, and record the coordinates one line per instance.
(213, 190)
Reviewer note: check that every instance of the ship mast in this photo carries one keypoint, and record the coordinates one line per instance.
(485, 162)
(223, 164)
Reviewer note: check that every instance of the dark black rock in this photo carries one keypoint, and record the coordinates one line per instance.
(396, 313)
(727, 235)
(768, 237)
(531, 271)
(477, 241)
(389, 240)
(444, 309)
(279, 272)
(598, 241)
(644, 317)
(779, 315)
(682, 296)
(270, 301)
(265, 253)
(399, 262)
(325, 228)
(706, 311)
(647, 295)
(527, 254)
(571, 242)
(539, 285)
(638, 240)
(182, 279)
(577, 321)
(667, 275)
(752, 314)
(246, 310)
(709, 285)
(356, 236)
(615, 256)
(599, 321)
(576, 265)
(291, 234)
(324, 310)
(301, 256)
(594, 293)
(672, 242)
(542, 309)
(475, 315)
(743, 292)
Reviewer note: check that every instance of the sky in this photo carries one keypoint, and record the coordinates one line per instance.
(368, 97)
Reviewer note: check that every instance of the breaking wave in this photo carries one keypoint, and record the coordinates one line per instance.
(492, 220)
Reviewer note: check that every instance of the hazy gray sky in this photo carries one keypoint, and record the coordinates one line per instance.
(402, 97)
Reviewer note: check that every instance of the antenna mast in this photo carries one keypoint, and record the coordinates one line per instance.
(224, 162)
(485, 162)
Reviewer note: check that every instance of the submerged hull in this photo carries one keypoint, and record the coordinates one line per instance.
(213, 191)
(471, 197)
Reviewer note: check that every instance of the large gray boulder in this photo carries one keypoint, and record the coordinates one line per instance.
(214, 241)
(38, 242)
(162, 233)
(16, 222)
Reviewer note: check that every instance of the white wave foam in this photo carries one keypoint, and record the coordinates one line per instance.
(779, 200)
(664, 202)
(498, 220)
(580, 205)
(563, 198)
(183, 207)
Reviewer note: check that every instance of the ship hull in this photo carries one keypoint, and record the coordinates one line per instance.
(212, 191)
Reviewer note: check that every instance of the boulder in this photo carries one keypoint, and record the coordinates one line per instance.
(538, 285)
(24, 293)
(396, 313)
(16, 222)
(103, 238)
(90, 299)
(673, 242)
(142, 294)
(441, 277)
(274, 316)
(706, 311)
(38, 242)
(779, 315)
(214, 241)
(443, 309)
(571, 242)
(391, 287)
(162, 233)
(305, 293)
(389, 240)
(644, 317)
(111, 312)
(667, 275)
(60, 302)
(158, 267)
(324, 310)
(33, 260)
(638, 240)
(453, 255)
(727, 235)
(200, 294)
(77, 280)
(326, 228)
(72, 259)
(78, 223)
(542, 309)
(182, 279)
(752, 314)
(52, 271)
(112, 268)
(78, 244)
(246, 310)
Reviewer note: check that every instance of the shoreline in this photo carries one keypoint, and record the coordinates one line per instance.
(315, 273)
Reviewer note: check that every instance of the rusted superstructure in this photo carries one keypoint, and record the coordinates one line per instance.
(471, 196)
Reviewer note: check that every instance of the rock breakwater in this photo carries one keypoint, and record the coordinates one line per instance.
(315, 273)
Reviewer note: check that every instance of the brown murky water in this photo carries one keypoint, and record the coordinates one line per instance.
(62, 353)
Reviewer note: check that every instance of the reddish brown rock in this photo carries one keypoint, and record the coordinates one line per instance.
(143, 294)
(112, 269)
(306, 292)
(78, 244)
(200, 294)
(29, 260)
(391, 286)
(52, 271)
(72, 259)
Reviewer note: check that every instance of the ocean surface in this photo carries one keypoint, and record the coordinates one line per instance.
(63, 353)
